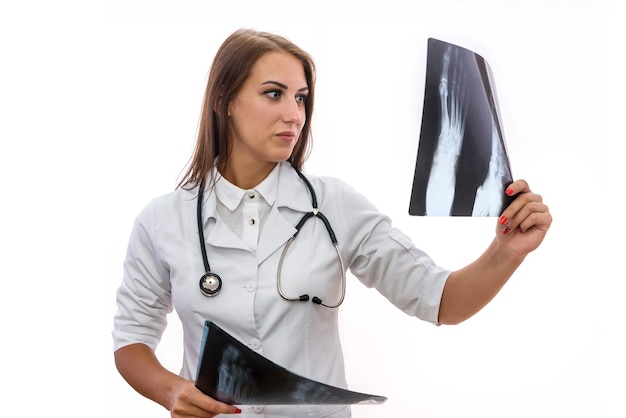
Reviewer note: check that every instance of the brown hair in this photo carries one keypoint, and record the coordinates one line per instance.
(231, 67)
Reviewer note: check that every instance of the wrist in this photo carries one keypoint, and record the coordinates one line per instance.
(500, 254)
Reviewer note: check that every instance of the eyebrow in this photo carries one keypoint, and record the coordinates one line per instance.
(283, 86)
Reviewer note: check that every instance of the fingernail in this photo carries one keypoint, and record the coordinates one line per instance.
(237, 411)
(503, 219)
(509, 191)
(506, 229)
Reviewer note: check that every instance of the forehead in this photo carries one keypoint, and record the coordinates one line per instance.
(278, 66)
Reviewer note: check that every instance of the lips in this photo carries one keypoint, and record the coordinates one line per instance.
(287, 135)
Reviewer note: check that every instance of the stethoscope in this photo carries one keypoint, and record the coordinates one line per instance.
(211, 283)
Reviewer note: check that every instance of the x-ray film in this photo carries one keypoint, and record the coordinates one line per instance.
(232, 373)
(462, 166)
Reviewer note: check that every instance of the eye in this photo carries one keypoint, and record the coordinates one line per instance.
(273, 94)
(301, 99)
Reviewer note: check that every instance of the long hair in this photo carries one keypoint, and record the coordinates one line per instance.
(230, 69)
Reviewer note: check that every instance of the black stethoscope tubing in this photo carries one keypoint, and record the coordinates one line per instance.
(211, 283)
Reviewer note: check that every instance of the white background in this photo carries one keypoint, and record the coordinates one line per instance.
(99, 106)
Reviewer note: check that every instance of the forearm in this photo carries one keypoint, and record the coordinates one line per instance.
(139, 366)
(469, 289)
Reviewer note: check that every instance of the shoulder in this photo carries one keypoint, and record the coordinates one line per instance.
(168, 203)
(327, 182)
(330, 187)
(330, 191)
(342, 200)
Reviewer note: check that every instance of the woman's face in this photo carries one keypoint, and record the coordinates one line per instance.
(267, 115)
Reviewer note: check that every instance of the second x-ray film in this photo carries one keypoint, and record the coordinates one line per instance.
(232, 373)
(462, 166)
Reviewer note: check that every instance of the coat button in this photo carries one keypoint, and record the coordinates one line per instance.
(258, 408)
(250, 286)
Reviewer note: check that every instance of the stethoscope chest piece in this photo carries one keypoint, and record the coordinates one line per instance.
(210, 284)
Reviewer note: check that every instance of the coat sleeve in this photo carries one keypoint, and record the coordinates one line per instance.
(144, 295)
(384, 258)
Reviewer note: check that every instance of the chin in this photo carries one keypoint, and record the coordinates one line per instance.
(281, 157)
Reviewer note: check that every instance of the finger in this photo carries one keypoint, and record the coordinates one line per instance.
(517, 187)
(532, 213)
(193, 403)
(217, 407)
(538, 217)
(214, 409)
(519, 210)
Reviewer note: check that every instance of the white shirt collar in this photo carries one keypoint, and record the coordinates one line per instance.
(230, 195)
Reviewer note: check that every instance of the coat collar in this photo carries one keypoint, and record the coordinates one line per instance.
(292, 194)
(292, 191)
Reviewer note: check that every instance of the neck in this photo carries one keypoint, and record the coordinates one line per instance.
(245, 176)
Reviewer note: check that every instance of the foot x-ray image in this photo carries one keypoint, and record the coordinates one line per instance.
(462, 167)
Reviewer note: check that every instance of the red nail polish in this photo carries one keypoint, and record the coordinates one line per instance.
(237, 410)
(503, 219)
(506, 229)
(509, 191)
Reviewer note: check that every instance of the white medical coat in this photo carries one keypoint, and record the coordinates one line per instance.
(163, 266)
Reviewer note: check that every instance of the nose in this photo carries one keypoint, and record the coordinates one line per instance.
(293, 112)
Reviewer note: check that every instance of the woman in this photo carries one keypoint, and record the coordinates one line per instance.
(246, 175)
